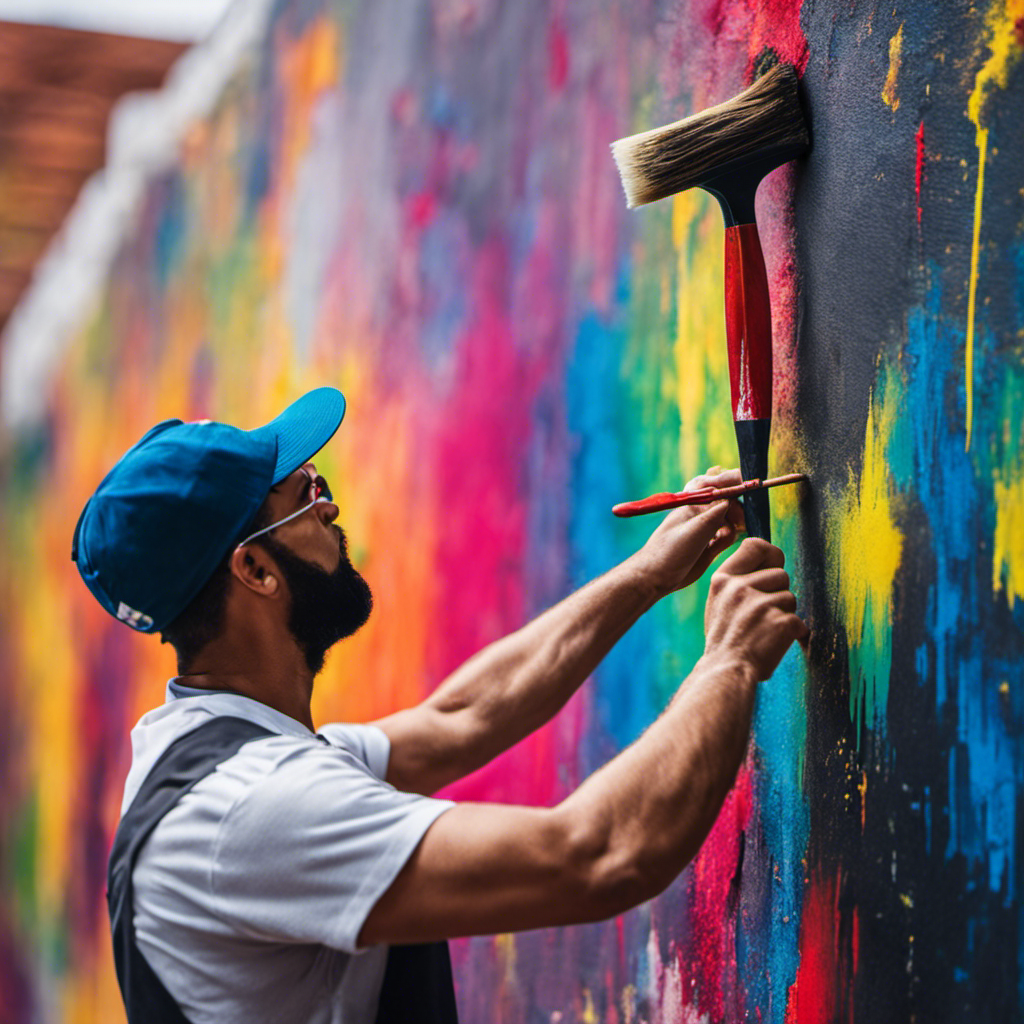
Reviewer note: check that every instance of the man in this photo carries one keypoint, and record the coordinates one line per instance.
(263, 871)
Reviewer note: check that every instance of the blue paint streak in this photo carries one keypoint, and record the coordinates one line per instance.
(445, 244)
(955, 490)
(928, 819)
(599, 479)
(169, 238)
(780, 733)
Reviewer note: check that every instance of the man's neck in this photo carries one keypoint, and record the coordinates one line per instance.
(290, 697)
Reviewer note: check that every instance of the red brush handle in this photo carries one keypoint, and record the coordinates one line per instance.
(662, 502)
(748, 324)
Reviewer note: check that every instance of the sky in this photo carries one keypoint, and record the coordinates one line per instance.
(183, 20)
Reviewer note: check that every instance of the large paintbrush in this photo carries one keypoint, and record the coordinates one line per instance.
(727, 150)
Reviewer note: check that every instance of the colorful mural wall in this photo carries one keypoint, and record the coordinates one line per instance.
(416, 202)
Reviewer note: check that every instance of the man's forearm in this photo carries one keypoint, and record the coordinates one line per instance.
(644, 815)
(639, 819)
(518, 683)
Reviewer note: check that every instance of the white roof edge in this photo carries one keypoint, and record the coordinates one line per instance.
(144, 134)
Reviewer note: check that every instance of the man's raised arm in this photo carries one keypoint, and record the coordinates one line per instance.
(516, 684)
(622, 836)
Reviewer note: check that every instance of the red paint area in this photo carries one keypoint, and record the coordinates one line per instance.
(770, 24)
(748, 324)
(919, 169)
(777, 27)
(709, 957)
(812, 994)
(829, 956)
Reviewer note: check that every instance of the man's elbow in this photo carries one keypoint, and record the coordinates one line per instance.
(611, 873)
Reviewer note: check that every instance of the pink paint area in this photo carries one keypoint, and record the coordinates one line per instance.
(481, 433)
(539, 771)
(737, 33)
(775, 227)
(481, 446)
(558, 56)
(420, 209)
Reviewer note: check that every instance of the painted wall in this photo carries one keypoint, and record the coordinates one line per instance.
(416, 202)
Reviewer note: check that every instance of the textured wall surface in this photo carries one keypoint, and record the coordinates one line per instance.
(416, 202)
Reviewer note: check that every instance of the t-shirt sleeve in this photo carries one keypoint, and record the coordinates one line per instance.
(367, 742)
(306, 852)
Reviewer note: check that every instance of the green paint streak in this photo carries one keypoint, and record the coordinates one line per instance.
(23, 840)
(870, 662)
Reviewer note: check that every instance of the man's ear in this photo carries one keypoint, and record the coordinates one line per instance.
(255, 569)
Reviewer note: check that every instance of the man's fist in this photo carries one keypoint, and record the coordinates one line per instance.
(751, 612)
(690, 537)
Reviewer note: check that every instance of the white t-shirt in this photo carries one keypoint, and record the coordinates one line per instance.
(251, 892)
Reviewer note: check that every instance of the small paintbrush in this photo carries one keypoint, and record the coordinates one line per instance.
(700, 496)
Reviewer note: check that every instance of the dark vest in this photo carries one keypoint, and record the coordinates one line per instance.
(417, 987)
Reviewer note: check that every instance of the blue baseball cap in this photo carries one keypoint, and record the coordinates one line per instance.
(180, 498)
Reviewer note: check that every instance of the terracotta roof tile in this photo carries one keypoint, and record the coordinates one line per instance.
(57, 87)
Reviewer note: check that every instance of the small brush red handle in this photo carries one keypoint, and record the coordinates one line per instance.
(748, 324)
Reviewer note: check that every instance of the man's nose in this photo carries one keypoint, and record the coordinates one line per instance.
(327, 510)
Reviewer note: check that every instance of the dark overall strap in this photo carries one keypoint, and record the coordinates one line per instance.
(417, 982)
(418, 986)
(187, 760)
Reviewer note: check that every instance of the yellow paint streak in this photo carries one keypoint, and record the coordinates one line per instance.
(1004, 51)
(889, 97)
(1008, 540)
(864, 552)
(49, 675)
(505, 947)
(701, 355)
(588, 1015)
(627, 1003)
(869, 545)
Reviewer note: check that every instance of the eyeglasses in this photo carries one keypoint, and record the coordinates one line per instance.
(318, 492)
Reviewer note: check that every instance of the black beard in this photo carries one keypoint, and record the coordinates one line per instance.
(326, 606)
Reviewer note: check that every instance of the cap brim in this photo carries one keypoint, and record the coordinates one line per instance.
(303, 429)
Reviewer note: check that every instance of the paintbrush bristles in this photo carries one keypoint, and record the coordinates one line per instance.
(765, 117)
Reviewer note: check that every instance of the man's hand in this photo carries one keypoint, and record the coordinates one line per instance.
(692, 536)
(750, 615)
